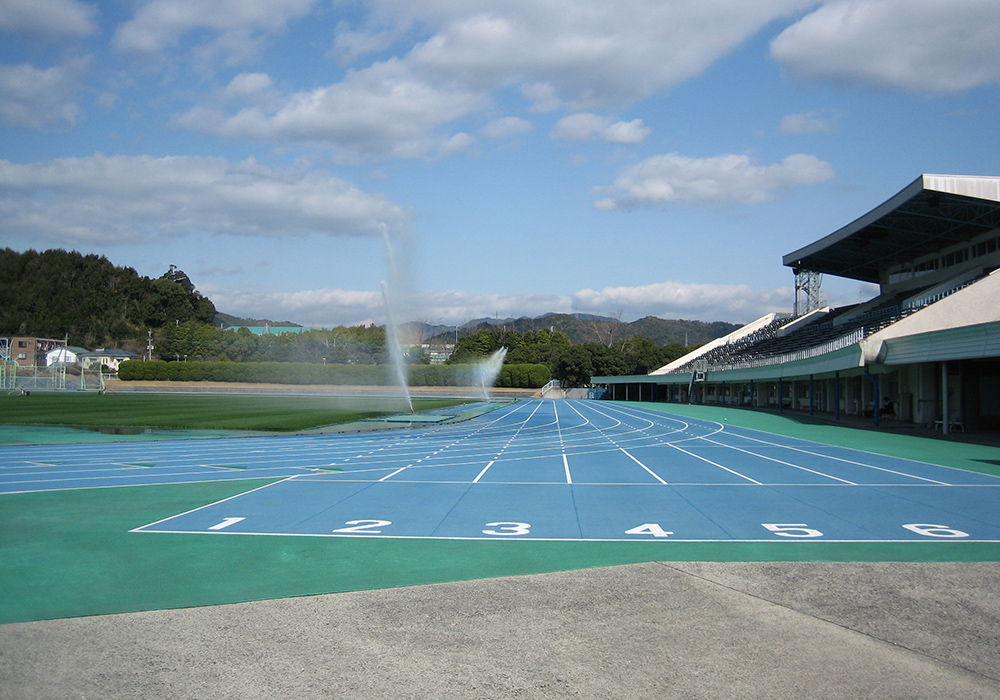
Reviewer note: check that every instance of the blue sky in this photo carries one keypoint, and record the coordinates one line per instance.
(524, 156)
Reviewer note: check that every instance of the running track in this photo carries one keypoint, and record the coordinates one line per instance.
(536, 469)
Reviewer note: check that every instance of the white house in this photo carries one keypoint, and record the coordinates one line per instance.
(107, 357)
(69, 355)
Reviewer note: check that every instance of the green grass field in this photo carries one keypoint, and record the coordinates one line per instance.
(203, 412)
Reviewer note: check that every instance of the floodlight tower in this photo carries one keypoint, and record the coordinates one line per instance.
(807, 291)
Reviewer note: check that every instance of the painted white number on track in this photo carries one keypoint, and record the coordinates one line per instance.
(649, 529)
(935, 530)
(792, 530)
(226, 522)
(505, 528)
(364, 526)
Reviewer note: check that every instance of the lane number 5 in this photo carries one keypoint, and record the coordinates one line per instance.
(792, 530)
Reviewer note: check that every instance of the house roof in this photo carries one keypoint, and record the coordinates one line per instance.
(110, 352)
(76, 350)
(931, 213)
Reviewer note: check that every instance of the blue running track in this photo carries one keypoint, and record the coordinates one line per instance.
(536, 469)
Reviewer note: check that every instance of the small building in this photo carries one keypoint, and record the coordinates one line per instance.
(27, 352)
(69, 355)
(110, 358)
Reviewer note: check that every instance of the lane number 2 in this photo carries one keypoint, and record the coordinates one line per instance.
(364, 527)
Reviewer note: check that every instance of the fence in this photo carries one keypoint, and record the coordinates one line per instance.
(15, 378)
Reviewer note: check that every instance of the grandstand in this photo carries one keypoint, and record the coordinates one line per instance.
(925, 350)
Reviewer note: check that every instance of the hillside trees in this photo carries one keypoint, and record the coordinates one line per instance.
(58, 293)
(355, 345)
(572, 364)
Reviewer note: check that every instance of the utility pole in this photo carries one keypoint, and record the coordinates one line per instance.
(149, 345)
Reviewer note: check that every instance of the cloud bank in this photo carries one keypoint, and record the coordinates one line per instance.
(673, 177)
(734, 303)
(117, 199)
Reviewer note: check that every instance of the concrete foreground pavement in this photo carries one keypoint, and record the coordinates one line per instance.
(652, 630)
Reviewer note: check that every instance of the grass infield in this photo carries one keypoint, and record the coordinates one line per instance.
(269, 413)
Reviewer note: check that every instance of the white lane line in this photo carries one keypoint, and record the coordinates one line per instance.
(654, 474)
(847, 461)
(569, 479)
(787, 464)
(209, 505)
(485, 469)
(692, 454)
(389, 476)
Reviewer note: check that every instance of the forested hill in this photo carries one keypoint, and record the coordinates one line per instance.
(58, 292)
(582, 328)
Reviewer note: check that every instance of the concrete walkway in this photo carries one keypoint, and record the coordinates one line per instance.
(651, 630)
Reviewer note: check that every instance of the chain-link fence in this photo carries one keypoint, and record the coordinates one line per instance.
(59, 377)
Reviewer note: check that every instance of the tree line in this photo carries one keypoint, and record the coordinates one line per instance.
(93, 303)
(571, 364)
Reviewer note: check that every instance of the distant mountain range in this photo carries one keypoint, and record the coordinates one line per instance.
(588, 328)
(581, 328)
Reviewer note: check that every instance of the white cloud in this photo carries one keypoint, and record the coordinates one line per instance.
(48, 20)
(710, 302)
(349, 45)
(379, 112)
(579, 127)
(40, 99)
(119, 199)
(733, 303)
(585, 126)
(917, 45)
(505, 127)
(248, 84)
(583, 54)
(542, 96)
(808, 123)
(676, 178)
(236, 25)
(626, 132)
(321, 307)
(592, 53)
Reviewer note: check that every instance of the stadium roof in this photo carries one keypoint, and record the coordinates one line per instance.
(933, 212)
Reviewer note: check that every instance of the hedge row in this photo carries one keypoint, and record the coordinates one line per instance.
(516, 376)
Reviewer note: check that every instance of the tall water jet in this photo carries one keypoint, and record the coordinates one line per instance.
(486, 371)
(391, 301)
(395, 349)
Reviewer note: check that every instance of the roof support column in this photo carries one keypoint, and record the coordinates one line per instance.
(944, 398)
(875, 403)
(836, 395)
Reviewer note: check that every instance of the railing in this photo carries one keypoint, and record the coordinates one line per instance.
(840, 343)
(927, 300)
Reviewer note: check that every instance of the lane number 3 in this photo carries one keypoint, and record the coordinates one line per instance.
(507, 528)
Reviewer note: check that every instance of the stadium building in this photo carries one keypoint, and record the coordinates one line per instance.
(924, 351)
